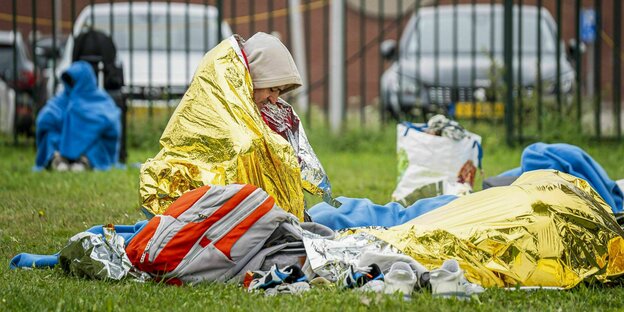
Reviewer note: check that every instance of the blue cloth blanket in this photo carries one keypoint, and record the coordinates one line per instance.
(358, 212)
(26, 260)
(572, 160)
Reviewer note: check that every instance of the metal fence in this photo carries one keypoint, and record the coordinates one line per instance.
(384, 60)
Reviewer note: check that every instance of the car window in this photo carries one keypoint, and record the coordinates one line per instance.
(426, 26)
(6, 57)
(197, 40)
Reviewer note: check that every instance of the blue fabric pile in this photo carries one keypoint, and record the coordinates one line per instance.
(358, 212)
(572, 160)
(27, 260)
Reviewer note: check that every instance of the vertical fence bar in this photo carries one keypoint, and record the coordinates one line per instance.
(492, 50)
(33, 31)
(509, 79)
(436, 50)
(617, 66)
(473, 63)
(520, 86)
(308, 30)
(150, 107)
(123, 150)
(345, 93)
(54, 21)
(233, 21)
(111, 19)
(558, 60)
(92, 13)
(187, 43)
(15, 34)
(418, 38)
(539, 83)
(597, 69)
(252, 18)
(131, 47)
(271, 17)
(73, 17)
(326, 61)
(169, 91)
(205, 20)
(398, 60)
(455, 90)
(288, 32)
(577, 60)
(362, 25)
(380, 31)
(233, 13)
(219, 22)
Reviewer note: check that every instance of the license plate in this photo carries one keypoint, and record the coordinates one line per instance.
(479, 110)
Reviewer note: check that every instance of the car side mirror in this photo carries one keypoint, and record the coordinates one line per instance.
(388, 49)
(574, 48)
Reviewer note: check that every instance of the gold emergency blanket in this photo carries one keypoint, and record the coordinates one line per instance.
(547, 229)
(217, 136)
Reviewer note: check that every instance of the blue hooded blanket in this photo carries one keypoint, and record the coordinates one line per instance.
(81, 120)
(573, 160)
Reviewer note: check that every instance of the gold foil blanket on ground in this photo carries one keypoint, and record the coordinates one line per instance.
(217, 136)
(546, 229)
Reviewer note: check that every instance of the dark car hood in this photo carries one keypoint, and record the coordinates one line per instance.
(425, 69)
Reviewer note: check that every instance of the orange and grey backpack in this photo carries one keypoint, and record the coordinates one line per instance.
(212, 233)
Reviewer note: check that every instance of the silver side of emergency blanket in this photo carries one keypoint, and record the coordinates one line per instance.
(98, 257)
(330, 258)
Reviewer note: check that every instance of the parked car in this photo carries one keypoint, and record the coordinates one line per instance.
(29, 87)
(145, 79)
(426, 79)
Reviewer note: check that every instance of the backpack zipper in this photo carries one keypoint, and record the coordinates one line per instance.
(161, 233)
(147, 247)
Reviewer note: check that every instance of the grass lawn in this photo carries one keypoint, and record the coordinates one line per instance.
(40, 211)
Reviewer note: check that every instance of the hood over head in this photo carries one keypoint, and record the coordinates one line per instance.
(79, 77)
(270, 63)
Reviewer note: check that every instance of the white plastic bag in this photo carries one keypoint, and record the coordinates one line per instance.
(431, 165)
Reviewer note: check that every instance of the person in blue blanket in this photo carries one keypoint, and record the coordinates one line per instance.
(80, 128)
(358, 212)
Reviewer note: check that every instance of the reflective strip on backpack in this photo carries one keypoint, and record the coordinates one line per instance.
(182, 242)
(184, 202)
(226, 242)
